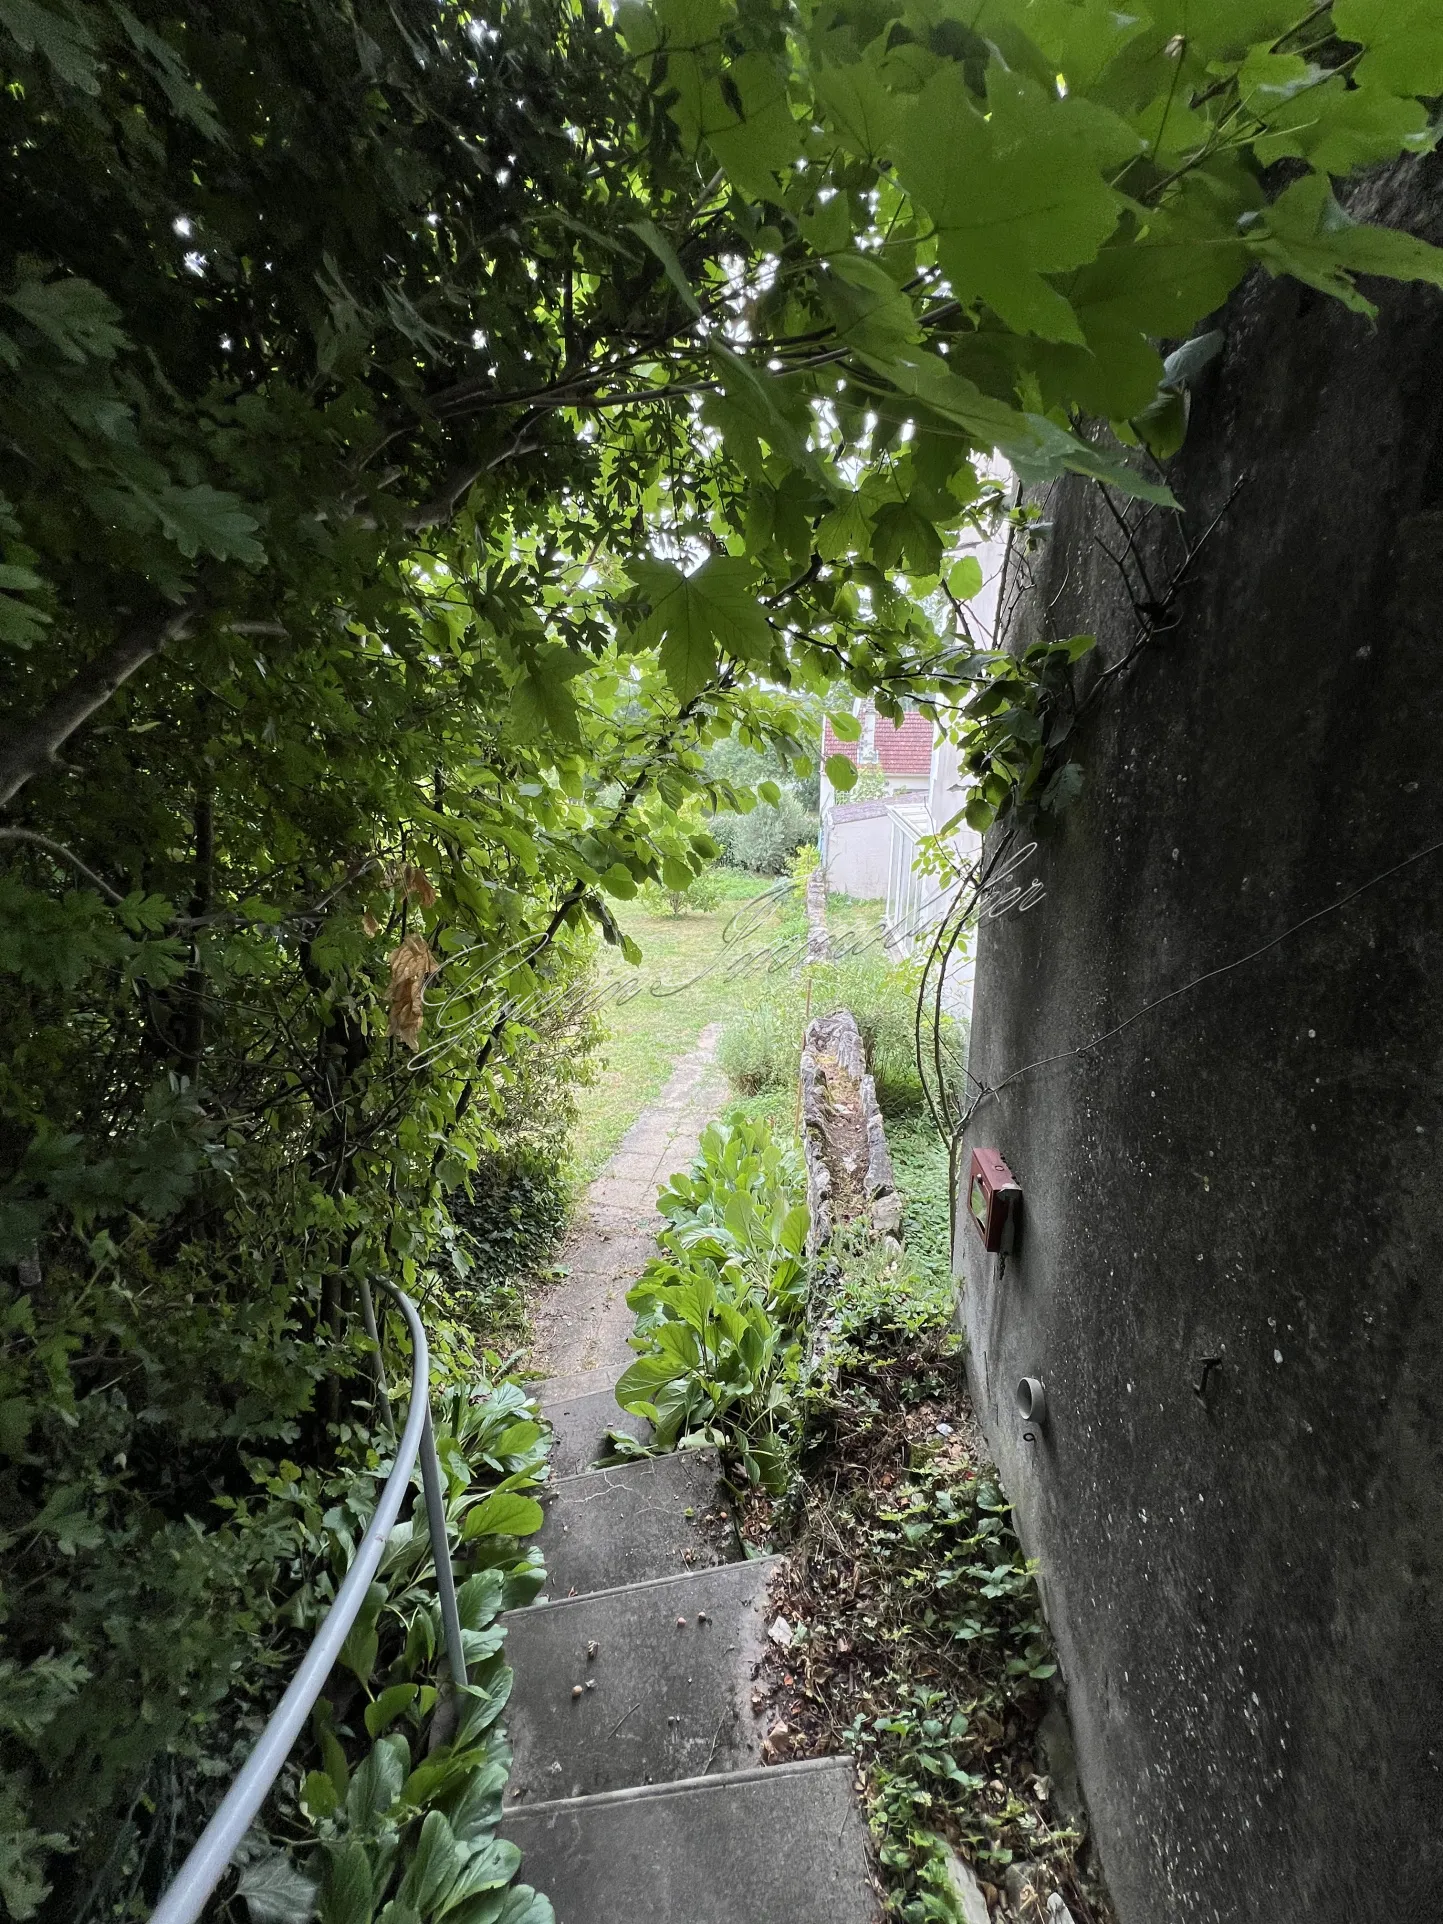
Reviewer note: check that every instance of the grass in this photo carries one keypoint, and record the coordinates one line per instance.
(919, 1159)
(761, 1044)
(682, 955)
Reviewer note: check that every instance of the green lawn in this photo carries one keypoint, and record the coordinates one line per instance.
(680, 987)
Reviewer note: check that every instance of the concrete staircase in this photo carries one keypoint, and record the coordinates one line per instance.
(638, 1795)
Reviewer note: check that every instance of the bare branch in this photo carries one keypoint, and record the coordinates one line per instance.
(63, 854)
(33, 748)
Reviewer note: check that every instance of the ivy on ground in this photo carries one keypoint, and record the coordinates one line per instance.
(916, 1632)
(422, 437)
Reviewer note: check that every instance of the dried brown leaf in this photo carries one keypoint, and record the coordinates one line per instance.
(370, 924)
(417, 884)
(411, 963)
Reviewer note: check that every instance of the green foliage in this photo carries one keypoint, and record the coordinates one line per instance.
(515, 1212)
(702, 893)
(760, 1047)
(764, 840)
(412, 464)
(921, 1160)
(806, 861)
(913, 1568)
(127, 1620)
(717, 1312)
(182, 1575)
(395, 1809)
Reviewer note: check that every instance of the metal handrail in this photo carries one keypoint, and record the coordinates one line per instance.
(208, 1861)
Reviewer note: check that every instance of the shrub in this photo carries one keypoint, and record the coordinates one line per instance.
(160, 1599)
(703, 892)
(515, 1212)
(764, 840)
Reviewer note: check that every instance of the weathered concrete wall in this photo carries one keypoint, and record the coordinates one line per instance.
(1243, 1560)
(859, 842)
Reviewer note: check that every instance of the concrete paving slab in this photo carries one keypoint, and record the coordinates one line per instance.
(625, 1215)
(656, 1518)
(779, 1846)
(635, 1166)
(609, 1255)
(582, 1321)
(579, 1421)
(670, 1667)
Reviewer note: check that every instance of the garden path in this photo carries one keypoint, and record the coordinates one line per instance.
(580, 1325)
(640, 1792)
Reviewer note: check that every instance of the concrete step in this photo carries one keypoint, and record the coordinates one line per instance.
(579, 1420)
(670, 1665)
(780, 1846)
(660, 1517)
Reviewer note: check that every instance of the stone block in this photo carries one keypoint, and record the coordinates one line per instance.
(785, 1845)
(638, 1685)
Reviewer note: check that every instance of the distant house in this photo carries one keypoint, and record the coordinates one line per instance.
(869, 847)
(893, 759)
(908, 787)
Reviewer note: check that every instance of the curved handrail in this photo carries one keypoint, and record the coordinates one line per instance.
(208, 1861)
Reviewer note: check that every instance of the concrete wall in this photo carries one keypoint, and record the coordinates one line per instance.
(1243, 1558)
(858, 849)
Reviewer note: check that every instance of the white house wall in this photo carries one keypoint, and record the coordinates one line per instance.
(859, 844)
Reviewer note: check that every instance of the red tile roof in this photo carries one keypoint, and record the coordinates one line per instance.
(903, 748)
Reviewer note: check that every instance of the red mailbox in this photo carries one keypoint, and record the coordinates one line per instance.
(994, 1200)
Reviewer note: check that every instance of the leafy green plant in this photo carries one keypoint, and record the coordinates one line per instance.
(918, 1613)
(717, 1313)
(158, 1644)
(702, 892)
(951, 1573)
(405, 1796)
(764, 840)
(515, 1211)
(349, 668)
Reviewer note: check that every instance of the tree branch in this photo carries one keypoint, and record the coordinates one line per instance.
(33, 748)
(63, 854)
